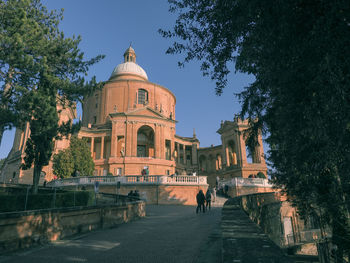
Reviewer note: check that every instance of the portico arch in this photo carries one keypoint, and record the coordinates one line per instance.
(145, 142)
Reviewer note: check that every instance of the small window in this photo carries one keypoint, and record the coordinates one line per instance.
(142, 97)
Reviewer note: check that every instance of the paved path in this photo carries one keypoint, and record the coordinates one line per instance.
(167, 234)
(244, 242)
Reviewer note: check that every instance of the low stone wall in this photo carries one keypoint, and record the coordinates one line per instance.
(157, 194)
(24, 229)
(268, 210)
(264, 210)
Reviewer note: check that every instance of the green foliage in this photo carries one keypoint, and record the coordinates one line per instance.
(77, 158)
(297, 51)
(2, 161)
(63, 164)
(81, 155)
(261, 175)
(11, 203)
(39, 69)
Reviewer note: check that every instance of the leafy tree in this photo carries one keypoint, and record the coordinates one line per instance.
(63, 164)
(298, 52)
(83, 163)
(2, 161)
(39, 69)
(74, 160)
(261, 175)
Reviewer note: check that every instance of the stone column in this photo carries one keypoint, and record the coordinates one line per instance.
(102, 146)
(227, 156)
(242, 155)
(114, 140)
(92, 147)
(184, 153)
(178, 152)
(157, 150)
(128, 139)
(133, 135)
(172, 149)
(162, 142)
(261, 150)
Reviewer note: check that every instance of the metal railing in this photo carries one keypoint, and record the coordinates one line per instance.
(129, 179)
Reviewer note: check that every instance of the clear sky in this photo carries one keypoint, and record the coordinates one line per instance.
(107, 27)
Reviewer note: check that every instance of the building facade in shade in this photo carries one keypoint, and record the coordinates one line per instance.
(11, 172)
(130, 127)
(232, 158)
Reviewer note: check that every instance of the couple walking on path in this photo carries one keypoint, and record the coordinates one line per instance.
(202, 199)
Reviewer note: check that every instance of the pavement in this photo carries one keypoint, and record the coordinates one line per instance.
(244, 242)
(167, 234)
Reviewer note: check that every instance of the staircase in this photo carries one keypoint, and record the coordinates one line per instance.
(219, 202)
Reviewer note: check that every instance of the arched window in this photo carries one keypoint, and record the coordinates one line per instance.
(142, 97)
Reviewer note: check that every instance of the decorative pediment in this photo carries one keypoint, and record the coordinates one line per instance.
(146, 111)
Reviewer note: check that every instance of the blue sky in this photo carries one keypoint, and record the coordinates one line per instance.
(107, 27)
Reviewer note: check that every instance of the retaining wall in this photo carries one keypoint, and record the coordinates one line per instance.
(156, 194)
(24, 229)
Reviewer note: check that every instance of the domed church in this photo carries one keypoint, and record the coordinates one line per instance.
(130, 127)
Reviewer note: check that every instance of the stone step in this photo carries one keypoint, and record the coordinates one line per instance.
(219, 202)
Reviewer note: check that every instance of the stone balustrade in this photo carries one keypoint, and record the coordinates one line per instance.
(253, 182)
(130, 179)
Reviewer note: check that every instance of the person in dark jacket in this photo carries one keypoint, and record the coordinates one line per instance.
(200, 202)
(208, 199)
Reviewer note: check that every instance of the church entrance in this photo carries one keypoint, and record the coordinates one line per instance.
(145, 142)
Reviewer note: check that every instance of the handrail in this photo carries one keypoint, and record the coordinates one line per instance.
(130, 179)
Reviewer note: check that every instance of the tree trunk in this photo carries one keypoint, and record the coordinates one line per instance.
(323, 252)
(36, 177)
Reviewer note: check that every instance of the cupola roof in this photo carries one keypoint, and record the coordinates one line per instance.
(129, 67)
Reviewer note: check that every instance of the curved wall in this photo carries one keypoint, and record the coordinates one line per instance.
(122, 96)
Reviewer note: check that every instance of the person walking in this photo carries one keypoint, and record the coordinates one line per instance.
(214, 194)
(208, 199)
(200, 201)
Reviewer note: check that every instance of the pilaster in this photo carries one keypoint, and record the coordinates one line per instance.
(92, 147)
(102, 147)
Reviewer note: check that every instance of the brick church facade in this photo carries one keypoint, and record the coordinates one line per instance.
(130, 126)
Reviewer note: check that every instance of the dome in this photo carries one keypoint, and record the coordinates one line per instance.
(129, 68)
